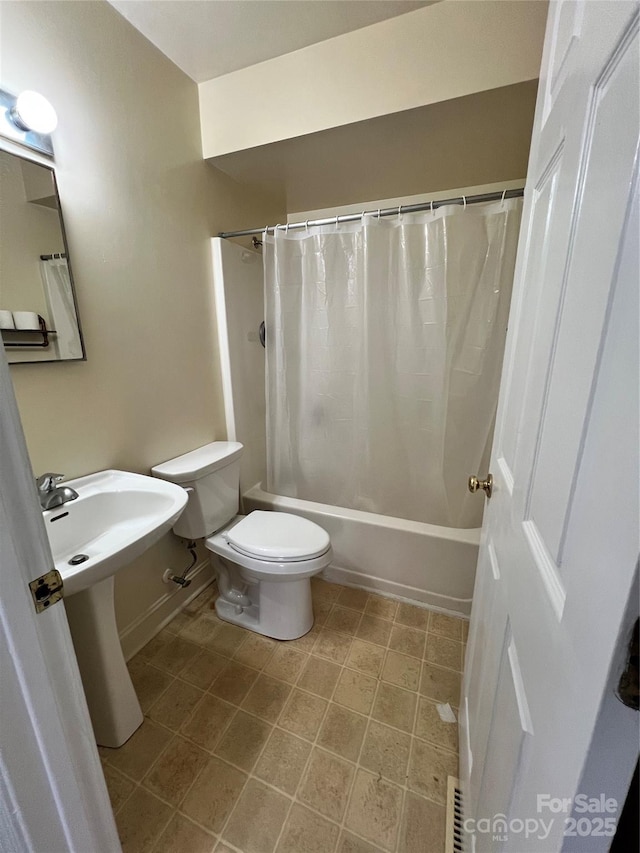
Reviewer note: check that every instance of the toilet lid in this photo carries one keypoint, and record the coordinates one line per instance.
(278, 536)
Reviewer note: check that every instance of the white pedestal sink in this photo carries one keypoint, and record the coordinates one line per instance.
(115, 518)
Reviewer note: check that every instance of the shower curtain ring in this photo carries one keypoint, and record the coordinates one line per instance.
(464, 201)
(432, 207)
(378, 213)
(306, 225)
(399, 211)
(504, 192)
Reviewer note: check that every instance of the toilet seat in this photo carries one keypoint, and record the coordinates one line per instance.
(277, 537)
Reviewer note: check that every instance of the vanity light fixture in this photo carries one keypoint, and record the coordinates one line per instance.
(28, 119)
(32, 111)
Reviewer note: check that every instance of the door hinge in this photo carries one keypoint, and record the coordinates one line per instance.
(629, 685)
(46, 590)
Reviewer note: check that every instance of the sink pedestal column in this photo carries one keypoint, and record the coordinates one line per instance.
(113, 704)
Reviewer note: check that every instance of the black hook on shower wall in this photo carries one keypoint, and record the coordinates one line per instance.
(262, 333)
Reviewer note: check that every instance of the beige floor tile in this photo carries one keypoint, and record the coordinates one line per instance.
(319, 676)
(383, 608)
(172, 775)
(407, 641)
(446, 626)
(286, 664)
(118, 786)
(255, 650)
(343, 620)
(356, 599)
(303, 714)
(226, 639)
(175, 655)
(323, 589)
(428, 770)
(355, 690)
(141, 820)
(306, 642)
(429, 726)
(178, 622)
(283, 761)
(137, 755)
(203, 670)
(395, 707)
(222, 848)
(256, 821)
(326, 784)
(374, 809)
(183, 836)
(374, 630)
(412, 616)
(332, 645)
(149, 682)
(155, 644)
(198, 630)
(342, 732)
(402, 670)
(350, 843)
(423, 826)
(386, 752)
(208, 721)
(214, 794)
(175, 704)
(444, 652)
(234, 682)
(244, 740)
(321, 610)
(267, 698)
(366, 657)
(307, 832)
(465, 630)
(440, 684)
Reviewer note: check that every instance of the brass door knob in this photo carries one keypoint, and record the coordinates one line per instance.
(485, 485)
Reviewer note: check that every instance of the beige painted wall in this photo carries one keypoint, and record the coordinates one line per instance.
(139, 207)
(447, 50)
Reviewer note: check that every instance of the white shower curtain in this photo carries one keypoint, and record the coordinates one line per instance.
(385, 340)
(61, 307)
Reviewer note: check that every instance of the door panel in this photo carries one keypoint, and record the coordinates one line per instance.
(548, 610)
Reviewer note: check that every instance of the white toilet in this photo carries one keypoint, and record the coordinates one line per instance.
(264, 560)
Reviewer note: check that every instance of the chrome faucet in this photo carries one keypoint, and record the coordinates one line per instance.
(52, 495)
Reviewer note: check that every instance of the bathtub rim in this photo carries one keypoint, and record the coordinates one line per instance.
(468, 535)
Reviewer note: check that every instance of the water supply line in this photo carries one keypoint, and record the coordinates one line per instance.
(182, 580)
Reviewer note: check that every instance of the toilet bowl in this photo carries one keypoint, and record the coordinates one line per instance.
(264, 560)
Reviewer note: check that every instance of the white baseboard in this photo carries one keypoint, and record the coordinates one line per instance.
(402, 592)
(138, 633)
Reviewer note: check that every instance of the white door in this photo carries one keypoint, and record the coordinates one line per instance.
(553, 601)
(53, 797)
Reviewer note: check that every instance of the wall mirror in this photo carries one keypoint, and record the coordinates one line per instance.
(39, 319)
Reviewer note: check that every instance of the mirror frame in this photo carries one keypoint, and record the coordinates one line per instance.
(14, 148)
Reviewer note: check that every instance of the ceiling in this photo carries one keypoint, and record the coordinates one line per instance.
(208, 38)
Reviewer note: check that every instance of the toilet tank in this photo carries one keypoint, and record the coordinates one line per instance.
(211, 475)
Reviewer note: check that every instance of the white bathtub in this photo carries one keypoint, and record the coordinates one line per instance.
(405, 559)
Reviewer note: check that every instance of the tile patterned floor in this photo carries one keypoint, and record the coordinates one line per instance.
(327, 744)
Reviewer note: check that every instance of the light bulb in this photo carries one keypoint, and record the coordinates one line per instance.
(33, 111)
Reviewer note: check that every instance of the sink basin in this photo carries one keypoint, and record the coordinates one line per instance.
(115, 518)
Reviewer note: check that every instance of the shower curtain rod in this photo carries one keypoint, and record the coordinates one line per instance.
(387, 211)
